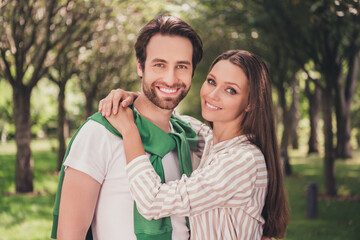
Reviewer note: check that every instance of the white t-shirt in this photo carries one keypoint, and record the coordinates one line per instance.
(100, 154)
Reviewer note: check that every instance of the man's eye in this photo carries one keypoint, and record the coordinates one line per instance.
(159, 65)
(182, 67)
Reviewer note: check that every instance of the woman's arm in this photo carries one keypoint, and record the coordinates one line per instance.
(207, 188)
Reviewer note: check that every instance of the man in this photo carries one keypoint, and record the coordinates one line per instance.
(94, 191)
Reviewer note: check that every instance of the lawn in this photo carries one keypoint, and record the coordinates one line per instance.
(28, 216)
(337, 218)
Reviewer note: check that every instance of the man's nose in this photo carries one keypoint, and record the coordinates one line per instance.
(170, 77)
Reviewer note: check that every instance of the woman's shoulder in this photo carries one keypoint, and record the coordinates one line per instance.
(242, 147)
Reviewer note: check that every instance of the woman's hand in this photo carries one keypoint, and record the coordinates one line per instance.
(123, 121)
(116, 98)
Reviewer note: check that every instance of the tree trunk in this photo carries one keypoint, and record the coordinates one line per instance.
(294, 113)
(314, 106)
(89, 104)
(286, 133)
(24, 162)
(344, 98)
(344, 148)
(329, 159)
(61, 124)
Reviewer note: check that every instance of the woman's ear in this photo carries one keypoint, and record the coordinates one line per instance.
(248, 108)
(139, 69)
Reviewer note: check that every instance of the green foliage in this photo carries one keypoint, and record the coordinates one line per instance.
(6, 112)
(43, 109)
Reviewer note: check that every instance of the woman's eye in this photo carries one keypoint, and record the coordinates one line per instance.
(211, 81)
(231, 91)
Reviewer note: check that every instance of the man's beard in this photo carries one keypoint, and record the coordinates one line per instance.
(164, 103)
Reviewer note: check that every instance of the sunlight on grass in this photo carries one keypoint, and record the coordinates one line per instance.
(36, 145)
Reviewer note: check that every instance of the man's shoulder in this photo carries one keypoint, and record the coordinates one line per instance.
(93, 126)
(94, 129)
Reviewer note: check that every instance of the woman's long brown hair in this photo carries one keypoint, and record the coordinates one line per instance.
(259, 126)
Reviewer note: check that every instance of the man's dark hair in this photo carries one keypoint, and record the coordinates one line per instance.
(167, 25)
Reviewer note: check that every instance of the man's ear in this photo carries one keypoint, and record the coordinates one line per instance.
(139, 69)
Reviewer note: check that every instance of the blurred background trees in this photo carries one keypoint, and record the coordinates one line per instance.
(59, 58)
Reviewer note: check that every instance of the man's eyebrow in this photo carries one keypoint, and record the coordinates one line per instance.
(184, 62)
(164, 61)
(159, 60)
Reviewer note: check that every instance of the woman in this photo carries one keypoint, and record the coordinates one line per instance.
(237, 192)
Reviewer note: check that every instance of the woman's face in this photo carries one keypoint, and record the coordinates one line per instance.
(224, 94)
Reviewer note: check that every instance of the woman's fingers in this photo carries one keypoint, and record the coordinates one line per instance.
(117, 96)
(111, 103)
(107, 105)
(127, 101)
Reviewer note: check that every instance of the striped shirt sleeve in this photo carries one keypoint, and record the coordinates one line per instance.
(232, 175)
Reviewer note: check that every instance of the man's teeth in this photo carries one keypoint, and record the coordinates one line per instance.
(211, 106)
(167, 90)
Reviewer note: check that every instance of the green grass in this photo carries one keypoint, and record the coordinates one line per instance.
(28, 216)
(337, 218)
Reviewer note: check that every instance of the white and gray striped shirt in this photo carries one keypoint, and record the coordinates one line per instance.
(223, 197)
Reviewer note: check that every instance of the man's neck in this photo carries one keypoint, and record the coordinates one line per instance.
(159, 117)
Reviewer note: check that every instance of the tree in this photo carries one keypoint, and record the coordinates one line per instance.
(101, 62)
(294, 112)
(30, 29)
(67, 61)
(321, 32)
(313, 94)
(23, 50)
(344, 95)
